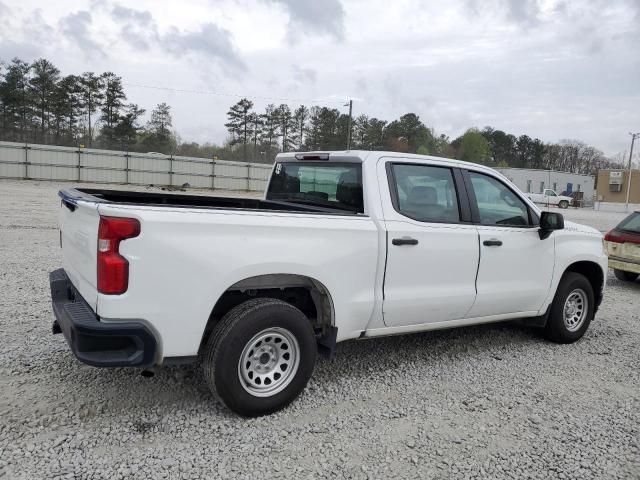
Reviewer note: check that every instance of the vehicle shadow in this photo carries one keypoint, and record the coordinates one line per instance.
(126, 392)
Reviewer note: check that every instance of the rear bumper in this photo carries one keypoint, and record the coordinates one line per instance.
(624, 264)
(127, 343)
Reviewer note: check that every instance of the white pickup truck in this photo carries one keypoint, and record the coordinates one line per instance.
(344, 245)
(550, 197)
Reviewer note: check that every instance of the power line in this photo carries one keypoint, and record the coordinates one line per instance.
(235, 95)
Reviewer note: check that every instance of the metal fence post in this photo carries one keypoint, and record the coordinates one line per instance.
(26, 161)
(126, 169)
(79, 166)
(170, 169)
(248, 177)
(213, 174)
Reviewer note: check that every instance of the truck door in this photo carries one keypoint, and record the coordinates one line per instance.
(516, 267)
(432, 247)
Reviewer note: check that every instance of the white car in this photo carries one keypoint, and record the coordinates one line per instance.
(344, 245)
(550, 197)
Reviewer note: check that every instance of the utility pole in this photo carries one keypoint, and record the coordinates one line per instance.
(633, 139)
(350, 104)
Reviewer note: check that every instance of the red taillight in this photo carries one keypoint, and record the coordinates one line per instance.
(113, 268)
(616, 236)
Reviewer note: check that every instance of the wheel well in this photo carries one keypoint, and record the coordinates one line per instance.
(304, 293)
(594, 274)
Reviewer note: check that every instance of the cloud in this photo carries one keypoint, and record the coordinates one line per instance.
(305, 76)
(141, 17)
(210, 42)
(6, 19)
(524, 12)
(137, 27)
(75, 27)
(314, 16)
(36, 29)
(25, 51)
(4, 10)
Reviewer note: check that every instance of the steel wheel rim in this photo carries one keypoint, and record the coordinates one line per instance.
(268, 362)
(575, 309)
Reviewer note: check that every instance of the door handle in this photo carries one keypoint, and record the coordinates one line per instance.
(404, 241)
(494, 242)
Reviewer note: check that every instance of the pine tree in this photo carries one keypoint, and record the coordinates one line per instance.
(126, 130)
(114, 98)
(14, 98)
(42, 86)
(161, 120)
(300, 117)
(65, 107)
(158, 135)
(92, 97)
(239, 123)
(268, 133)
(255, 122)
(75, 105)
(284, 125)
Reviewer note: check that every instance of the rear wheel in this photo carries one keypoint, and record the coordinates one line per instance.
(260, 356)
(625, 276)
(572, 309)
(563, 204)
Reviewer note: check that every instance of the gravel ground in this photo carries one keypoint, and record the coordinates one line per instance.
(494, 401)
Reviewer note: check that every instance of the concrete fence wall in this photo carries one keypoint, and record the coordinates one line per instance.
(46, 162)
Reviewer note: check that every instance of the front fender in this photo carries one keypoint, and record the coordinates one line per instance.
(574, 245)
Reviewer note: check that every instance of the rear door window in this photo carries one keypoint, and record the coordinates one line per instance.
(425, 193)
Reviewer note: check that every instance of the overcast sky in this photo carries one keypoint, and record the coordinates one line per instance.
(550, 69)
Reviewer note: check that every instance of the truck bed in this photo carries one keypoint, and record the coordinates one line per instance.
(124, 197)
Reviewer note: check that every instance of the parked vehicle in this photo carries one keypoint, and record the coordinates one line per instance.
(622, 245)
(550, 197)
(344, 245)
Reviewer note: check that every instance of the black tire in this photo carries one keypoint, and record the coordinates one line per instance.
(221, 359)
(625, 276)
(563, 204)
(556, 329)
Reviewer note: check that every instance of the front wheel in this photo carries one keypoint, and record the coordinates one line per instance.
(625, 276)
(563, 204)
(260, 356)
(572, 309)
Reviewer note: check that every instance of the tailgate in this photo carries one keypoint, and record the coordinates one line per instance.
(79, 222)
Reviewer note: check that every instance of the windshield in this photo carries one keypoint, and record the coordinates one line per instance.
(631, 223)
(328, 185)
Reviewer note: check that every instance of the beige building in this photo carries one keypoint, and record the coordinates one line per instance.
(611, 189)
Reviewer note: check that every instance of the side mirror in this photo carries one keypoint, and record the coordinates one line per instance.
(550, 221)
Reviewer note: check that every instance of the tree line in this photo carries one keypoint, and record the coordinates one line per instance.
(40, 105)
(280, 129)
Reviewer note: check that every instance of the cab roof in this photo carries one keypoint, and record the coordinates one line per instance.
(372, 156)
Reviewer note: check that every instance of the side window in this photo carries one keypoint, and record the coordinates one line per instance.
(550, 193)
(497, 204)
(425, 193)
